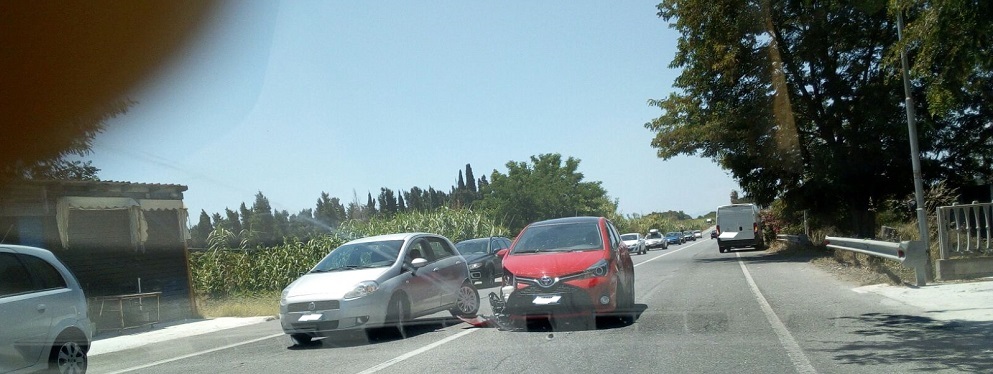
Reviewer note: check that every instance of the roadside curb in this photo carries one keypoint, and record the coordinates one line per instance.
(172, 331)
(969, 301)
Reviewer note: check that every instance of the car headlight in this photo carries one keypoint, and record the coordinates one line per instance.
(475, 265)
(598, 269)
(362, 289)
(282, 296)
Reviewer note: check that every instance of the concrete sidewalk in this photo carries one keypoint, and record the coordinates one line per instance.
(968, 301)
(161, 333)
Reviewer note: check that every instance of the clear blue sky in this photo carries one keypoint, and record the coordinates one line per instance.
(300, 97)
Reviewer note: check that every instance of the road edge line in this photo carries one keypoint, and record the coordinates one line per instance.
(168, 360)
(800, 361)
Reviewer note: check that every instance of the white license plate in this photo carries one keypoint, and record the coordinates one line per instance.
(310, 317)
(547, 299)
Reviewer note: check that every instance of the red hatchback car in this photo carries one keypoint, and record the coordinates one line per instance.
(567, 268)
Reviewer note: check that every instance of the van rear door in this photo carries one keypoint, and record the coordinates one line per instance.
(736, 222)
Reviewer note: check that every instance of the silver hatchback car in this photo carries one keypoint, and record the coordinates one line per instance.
(379, 283)
(43, 320)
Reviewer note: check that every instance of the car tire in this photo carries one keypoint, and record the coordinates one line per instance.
(397, 313)
(68, 355)
(625, 305)
(466, 301)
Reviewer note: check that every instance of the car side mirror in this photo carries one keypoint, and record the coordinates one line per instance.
(418, 263)
(503, 252)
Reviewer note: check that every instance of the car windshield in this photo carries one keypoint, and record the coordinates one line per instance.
(654, 235)
(561, 237)
(472, 246)
(628, 237)
(672, 234)
(360, 256)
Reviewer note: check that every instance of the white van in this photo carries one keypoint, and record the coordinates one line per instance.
(739, 225)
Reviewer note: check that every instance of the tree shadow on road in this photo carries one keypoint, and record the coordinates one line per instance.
(353, 338)
(935, 345)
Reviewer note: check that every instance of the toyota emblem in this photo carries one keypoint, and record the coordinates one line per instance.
(546, 281)
(311, 306)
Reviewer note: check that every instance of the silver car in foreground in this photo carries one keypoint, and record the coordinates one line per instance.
(43, 320)
(378, 283)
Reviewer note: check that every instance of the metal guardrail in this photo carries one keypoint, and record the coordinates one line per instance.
(965, 229)
(908, 253)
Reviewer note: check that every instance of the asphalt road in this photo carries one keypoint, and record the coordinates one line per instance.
(699, 311)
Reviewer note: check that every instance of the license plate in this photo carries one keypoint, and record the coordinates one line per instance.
(547, 299)
(310, 317)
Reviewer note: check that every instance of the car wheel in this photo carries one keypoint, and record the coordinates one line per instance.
(466, 301)
(301, 339)
(68, 356)
(396, 316)
(625, 305)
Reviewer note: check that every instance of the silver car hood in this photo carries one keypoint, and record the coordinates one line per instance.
(331, 285)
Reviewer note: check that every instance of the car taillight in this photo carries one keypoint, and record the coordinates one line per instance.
(718, 229)
(755, 227)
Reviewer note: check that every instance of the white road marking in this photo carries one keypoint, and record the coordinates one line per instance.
(666, 254)
(416, 352)
(800, 361)
(160, 362)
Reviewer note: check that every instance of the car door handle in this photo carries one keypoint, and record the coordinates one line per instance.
(436, 269)
(458, 262)
(41, 308)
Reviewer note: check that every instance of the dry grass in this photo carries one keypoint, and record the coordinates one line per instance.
(239, 306)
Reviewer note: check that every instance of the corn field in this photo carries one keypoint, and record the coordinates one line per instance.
(454, 224)
(224, 271)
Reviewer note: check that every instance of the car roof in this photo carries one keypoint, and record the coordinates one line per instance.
(477, 239)
(401, 236)
(567, 220)
(40, 252)
(631, 233)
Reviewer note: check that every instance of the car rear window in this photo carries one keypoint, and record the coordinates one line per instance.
(564, 237)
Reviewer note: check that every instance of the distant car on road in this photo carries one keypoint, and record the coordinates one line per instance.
(43, 315)
(713, 234)
(378, 283)
(675, 237)
(688, 236)
(484, 264)
(655, 239)
(635, 243)
(697, 234)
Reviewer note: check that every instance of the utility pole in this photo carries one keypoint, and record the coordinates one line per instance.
(914, 151)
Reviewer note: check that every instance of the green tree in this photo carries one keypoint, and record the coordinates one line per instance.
(793, 98)
(547, 187)
(262, 222)
(201, 230)
(949, 49)
(329, 210)
(30, 155)
(387, 202)
(233, 220)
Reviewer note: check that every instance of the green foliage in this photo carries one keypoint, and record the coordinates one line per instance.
(223, 270)
(545, 188)
(793, 98)
(948, 44)
(455, 224)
